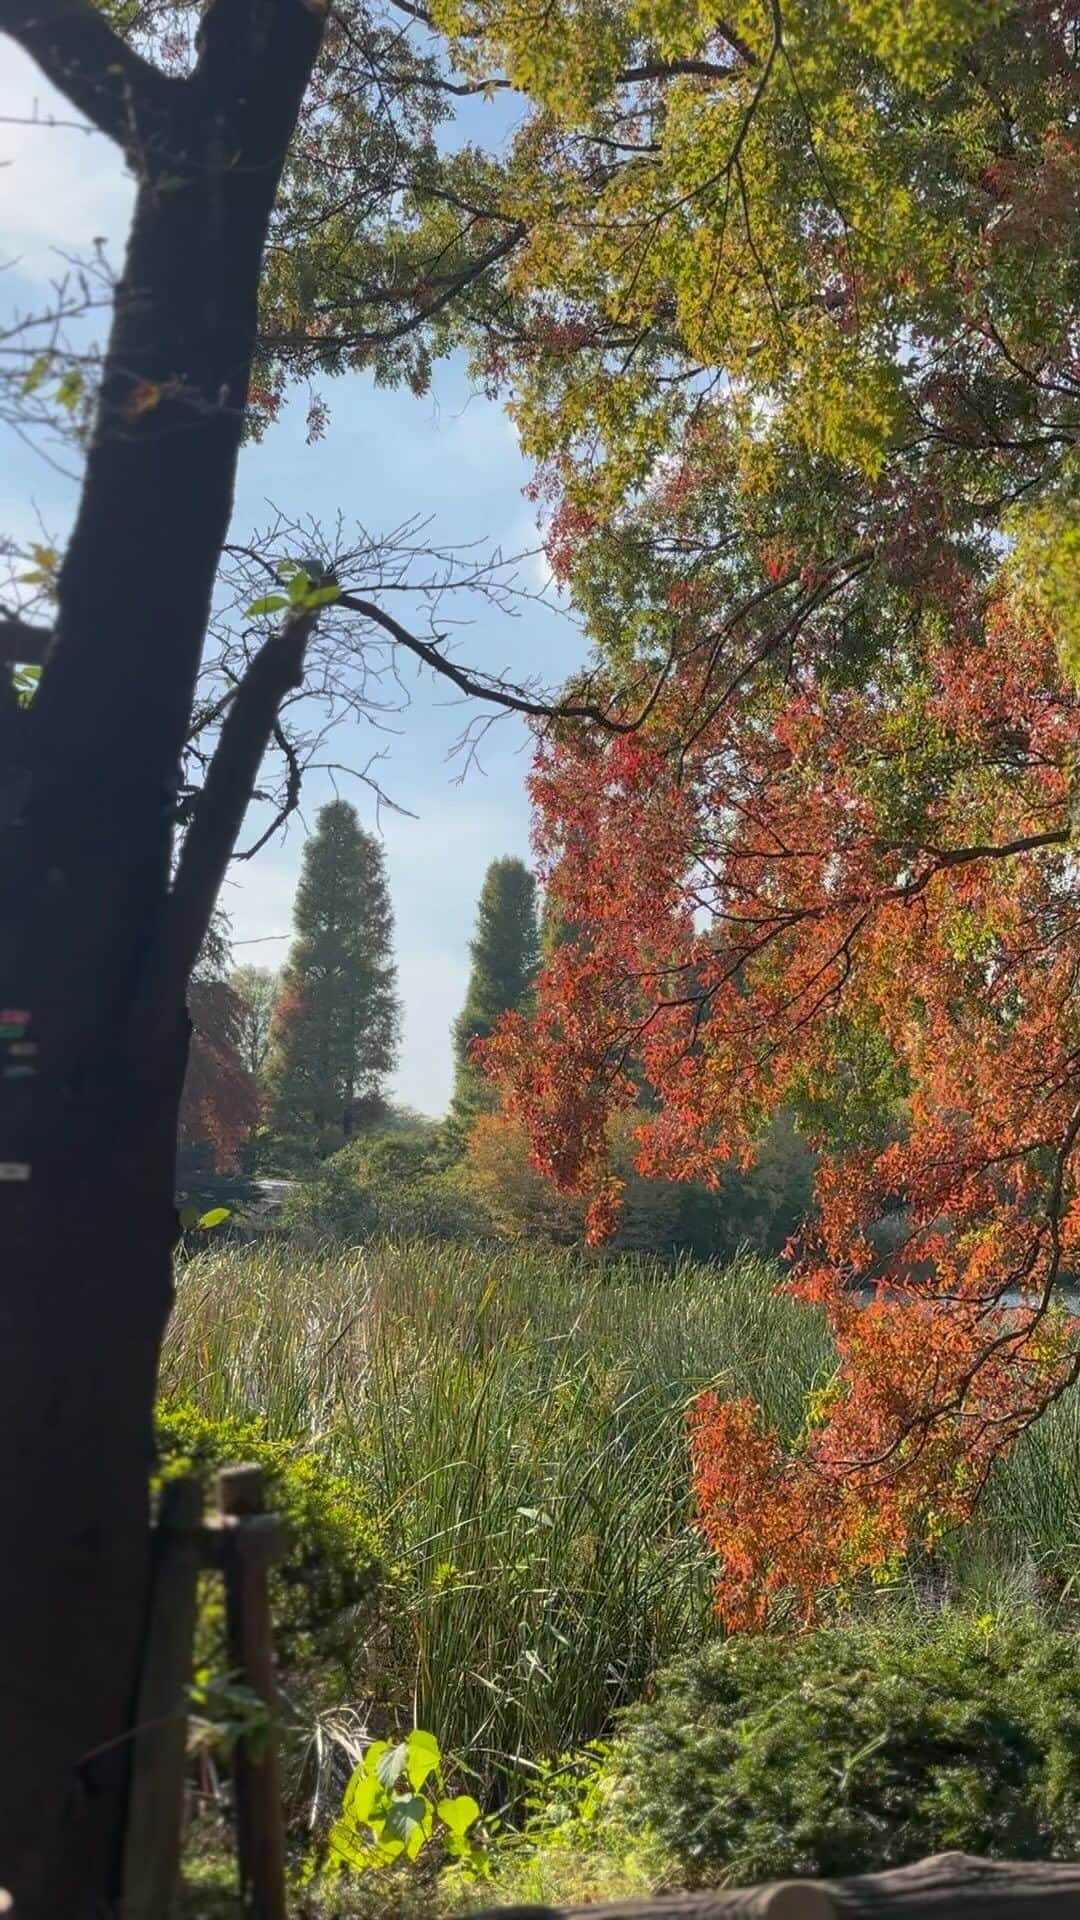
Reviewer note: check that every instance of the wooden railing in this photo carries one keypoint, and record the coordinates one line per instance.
(240, 1542)
(951, 1886)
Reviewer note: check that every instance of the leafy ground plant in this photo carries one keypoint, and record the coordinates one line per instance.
(395, 1808)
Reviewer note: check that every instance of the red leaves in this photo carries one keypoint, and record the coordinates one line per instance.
(761, 876)
(220, 1103)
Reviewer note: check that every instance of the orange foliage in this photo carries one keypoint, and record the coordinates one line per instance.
(749, 880)
(220, 1104)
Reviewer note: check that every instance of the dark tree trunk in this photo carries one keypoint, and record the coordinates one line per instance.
(97, 938)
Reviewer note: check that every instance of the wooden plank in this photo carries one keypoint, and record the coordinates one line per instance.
(250, 1541)
(949, 1886)
(156, 1806)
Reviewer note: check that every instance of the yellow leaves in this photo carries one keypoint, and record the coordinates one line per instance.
(564, 55)
(44, 571)
(920, 40)
(847, 406)
(677, 28)
(1046, 561)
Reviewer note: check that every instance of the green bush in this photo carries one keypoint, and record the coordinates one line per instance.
(859, 1748)
(326, 1593)
(389, 1184)
(844, 1751)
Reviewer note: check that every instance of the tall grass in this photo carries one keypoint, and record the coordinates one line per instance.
(518, 1418)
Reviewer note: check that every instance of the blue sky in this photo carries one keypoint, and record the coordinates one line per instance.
(453, 456)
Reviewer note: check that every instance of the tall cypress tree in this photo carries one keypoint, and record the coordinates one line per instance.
(335, 1031)
(505, 952)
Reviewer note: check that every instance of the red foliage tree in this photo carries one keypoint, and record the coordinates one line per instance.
(220, 1102)
(753, 879)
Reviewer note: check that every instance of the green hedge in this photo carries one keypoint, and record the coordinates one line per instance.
(845, 1751)
(328, 1591)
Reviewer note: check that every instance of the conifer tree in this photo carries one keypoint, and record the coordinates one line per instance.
(505, 951)
(335, 1031)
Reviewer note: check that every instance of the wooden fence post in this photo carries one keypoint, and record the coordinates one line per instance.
(251, 1541)
(155, 1813)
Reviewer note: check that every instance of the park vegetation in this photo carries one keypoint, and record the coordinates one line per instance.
(783, 306)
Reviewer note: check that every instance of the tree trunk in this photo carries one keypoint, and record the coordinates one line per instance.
(80, 1334)
(97, 936)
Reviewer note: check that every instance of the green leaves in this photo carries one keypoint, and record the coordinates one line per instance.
(223, 1712)
(70, 389)
(25, 681)
(386, 1817)
(422, 1757)
(409, 1820)
(457, 1816)
(269, 603)
(303, 593)
(390, 1763)
(191, 1220)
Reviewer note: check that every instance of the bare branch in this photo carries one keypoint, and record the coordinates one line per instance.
(499, 693)
(292, 792)
(75, 47)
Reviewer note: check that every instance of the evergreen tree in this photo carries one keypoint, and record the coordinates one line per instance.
(505, 951)
(335, 1030)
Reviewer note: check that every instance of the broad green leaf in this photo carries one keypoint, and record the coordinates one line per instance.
(355, 1850)
(391, 1765)
(299, 587)
(424, 1757)
(363, 1795)
(189, 1218)
(270, 603)
(373, 1754)
(321, 597)
(459, 1814)
(409, 1820)
(215, 1216)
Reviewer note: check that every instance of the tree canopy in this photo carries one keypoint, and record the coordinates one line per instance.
(807, 408)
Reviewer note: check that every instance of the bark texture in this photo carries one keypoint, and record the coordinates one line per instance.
(96, 934)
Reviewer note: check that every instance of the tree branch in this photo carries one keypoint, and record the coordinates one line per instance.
(21, 641)
(497, 693)
(292, 793)
(672, 69)
(219, 814)
(75, 47)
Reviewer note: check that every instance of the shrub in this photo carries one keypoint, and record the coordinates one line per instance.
(386, 1185)
(859, 1748)
(844, 1751)
(325, 1594)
